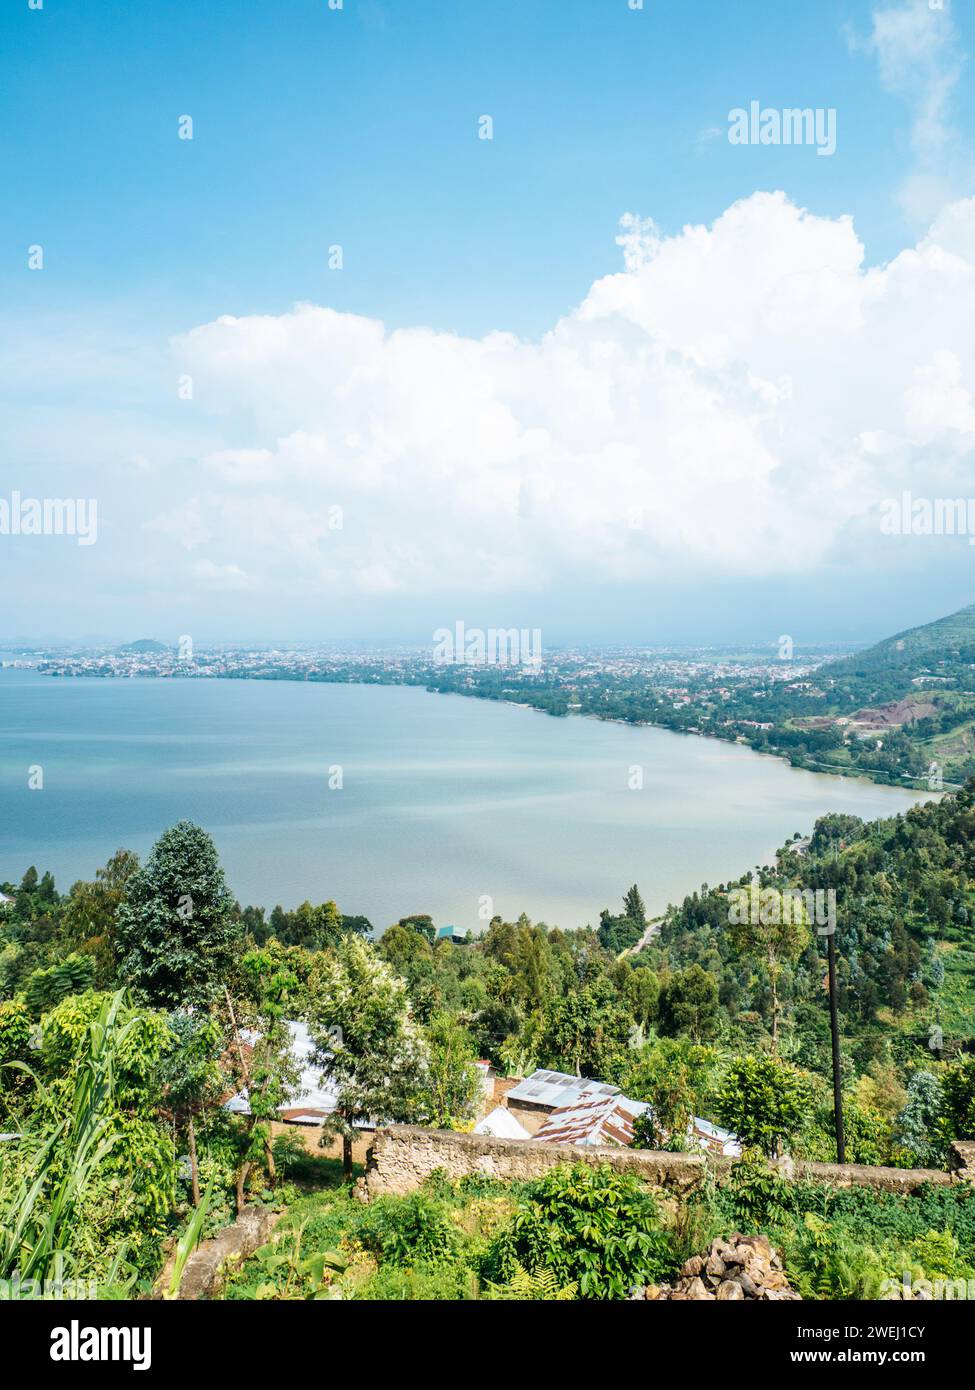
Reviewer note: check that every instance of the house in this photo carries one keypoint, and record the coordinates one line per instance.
(501, 1124)
(592, 1119)
(453, 935)
(311, 1101)
(534, 1098)
(557, 1108)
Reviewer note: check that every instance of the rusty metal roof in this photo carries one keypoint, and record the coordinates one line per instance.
(593, 1118)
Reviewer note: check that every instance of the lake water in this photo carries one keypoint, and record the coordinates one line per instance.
(446, 801)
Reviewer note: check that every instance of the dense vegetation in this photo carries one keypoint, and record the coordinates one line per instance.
(133, 1005)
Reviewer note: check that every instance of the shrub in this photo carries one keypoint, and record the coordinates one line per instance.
(591, 1227)
(958, 1098)
(410, 1230)
(764, 1100)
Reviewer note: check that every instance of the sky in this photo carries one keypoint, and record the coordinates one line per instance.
(340, 367)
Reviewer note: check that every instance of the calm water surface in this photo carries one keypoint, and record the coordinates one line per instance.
(445, 799)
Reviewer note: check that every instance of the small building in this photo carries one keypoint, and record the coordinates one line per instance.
(501, 1124)
(453, 935)
(557, 1108)
(538, 1095)
(593, 1119)
(310, 1102)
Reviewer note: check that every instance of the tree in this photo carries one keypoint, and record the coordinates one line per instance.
(177, 929)
(918, 1127)
(271, 1073)
(958, 1099)
(765, 1101)
(689, 1004)
(776, 934)
(676, 1078)
(368, 1044)
(89, 912)
(452, 1085)
(190, 1076)
(582, 1030)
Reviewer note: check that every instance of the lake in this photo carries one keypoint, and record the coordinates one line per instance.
(445, 802)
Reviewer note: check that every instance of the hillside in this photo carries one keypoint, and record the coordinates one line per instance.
(901, 711)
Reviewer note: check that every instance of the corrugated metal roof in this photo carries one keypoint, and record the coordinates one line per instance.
(593, 1118)
(309, 1097)
(557, 1088)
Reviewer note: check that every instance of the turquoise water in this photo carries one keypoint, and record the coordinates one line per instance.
(445, 800)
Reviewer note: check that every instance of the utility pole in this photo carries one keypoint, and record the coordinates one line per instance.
(834, 1027)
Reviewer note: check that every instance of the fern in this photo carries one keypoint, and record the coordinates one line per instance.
(531, 1286)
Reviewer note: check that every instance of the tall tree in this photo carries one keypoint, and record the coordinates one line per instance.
(176, 930)
(368, 1044)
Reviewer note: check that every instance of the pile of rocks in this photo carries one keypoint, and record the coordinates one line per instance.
(744, 1267)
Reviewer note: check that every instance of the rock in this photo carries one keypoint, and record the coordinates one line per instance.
(715, 1267)
(733, 1271)
(698, 1290)
(747, 1285)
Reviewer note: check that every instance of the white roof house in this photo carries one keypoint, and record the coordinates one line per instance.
(551, 1090)
(501, 1124)
(309, 1102)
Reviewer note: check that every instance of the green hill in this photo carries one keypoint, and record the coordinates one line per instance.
(943, 651)
(143, 647)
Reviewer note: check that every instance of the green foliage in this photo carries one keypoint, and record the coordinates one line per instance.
(176, 930)
(764, 1101)
(592, 1227)
(409, 1230)
(525, 1286)
(89, 1180)
(958, 1099)
(689, 1004)
(369, 1045)
(47, 987)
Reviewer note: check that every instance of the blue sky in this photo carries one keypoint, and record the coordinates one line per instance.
(359, 127)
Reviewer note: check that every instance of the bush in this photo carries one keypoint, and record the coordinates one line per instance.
(592, 1227)
(958, 1095)
(765, 1101)
(410, 1230)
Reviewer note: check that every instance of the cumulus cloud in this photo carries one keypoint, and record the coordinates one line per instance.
(736, 401)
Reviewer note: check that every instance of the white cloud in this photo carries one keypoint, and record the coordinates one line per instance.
(735, 402)
(220, 576)
(918, 58)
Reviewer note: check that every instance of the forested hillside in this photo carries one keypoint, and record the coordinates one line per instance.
(122, 1005)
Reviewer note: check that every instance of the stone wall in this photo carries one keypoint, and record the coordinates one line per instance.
(204, 1271)
(403, 1156)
